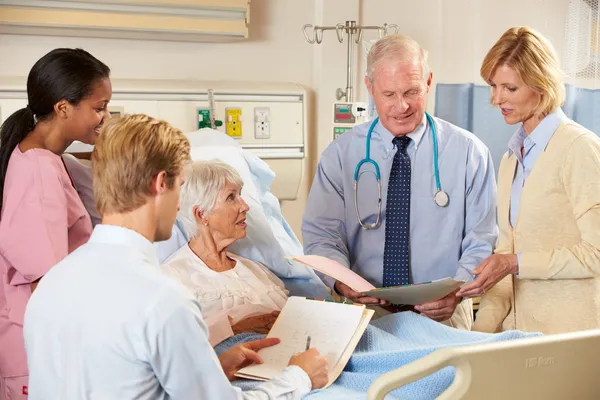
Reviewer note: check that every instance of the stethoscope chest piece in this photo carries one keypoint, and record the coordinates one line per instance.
(441, 198)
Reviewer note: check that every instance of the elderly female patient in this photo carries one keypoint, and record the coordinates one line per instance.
(236, 294)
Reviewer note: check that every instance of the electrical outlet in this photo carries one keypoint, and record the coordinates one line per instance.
(234, 122)
(262, 123)
(360, 110)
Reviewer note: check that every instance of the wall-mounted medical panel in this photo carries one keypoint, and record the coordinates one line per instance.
(285, 119)
(285, 122)
(181, 20)
(272, 116)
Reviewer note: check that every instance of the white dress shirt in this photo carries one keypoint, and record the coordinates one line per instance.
(247, 290)
(107, 323)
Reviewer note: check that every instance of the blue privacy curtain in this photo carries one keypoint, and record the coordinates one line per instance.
(468, 106)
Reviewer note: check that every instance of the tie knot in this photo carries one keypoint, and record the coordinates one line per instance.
(401, 142)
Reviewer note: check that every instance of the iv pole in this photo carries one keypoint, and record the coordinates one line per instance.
(350, 29)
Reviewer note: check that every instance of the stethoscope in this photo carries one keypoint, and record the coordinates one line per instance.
(440, 197)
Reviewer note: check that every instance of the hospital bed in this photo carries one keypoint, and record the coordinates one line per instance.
(562, 366)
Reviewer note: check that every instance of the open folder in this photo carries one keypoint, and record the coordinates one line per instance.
(406, 294)
(334, 329)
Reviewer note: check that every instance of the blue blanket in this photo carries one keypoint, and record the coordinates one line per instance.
(389, 343)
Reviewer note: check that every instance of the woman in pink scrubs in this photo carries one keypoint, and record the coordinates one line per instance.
(42, 218)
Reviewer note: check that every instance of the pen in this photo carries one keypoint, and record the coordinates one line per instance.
(308, 342)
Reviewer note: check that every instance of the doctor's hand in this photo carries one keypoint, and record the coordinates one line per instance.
(243, 355)
(440, 310)
(357, 297)
(314, 365)
(491, 271)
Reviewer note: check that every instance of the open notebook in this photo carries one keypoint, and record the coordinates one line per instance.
(334, 329)
(406, 294)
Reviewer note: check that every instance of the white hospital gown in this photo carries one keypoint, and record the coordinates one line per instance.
(247, 290)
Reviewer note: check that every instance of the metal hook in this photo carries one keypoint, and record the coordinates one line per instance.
(339, 30)
(358, 36)
(318, 38)
(308, 39)
(390, 27)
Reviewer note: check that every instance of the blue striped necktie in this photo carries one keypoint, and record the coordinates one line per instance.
(397, 218)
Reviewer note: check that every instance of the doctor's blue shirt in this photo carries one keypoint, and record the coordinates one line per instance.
(444, 241)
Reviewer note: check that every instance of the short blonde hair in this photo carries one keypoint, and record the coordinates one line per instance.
(532, 56)
(396, 47)
(129, 153)
(204, 180)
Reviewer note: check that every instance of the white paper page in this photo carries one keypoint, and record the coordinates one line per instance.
(335, 270)
(330, 326)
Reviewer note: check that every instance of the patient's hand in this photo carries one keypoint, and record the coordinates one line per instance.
(257, 324)
(357, 297)
(243, 355)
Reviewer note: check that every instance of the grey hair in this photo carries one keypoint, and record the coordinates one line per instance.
(399, 48)
(204, 180)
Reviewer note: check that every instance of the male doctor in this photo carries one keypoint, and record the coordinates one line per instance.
(421, 230)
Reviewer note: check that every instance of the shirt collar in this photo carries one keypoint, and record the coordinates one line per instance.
(516, 142)
(540, 136)
(118, 235)
(387, 137)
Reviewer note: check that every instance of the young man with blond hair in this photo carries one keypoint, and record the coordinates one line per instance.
(107, 323)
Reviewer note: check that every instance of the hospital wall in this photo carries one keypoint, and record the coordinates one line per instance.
(275, 51)
(457, 34)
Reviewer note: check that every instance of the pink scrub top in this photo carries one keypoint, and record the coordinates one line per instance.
(42, 220)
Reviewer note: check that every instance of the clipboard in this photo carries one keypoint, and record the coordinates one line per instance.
(335, 329)
(418, 293)
(413, 294)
